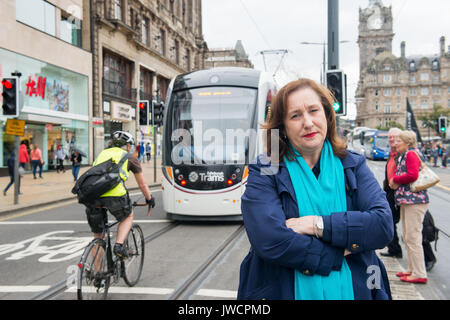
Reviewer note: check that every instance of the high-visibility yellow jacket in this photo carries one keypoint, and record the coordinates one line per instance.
(116, 154)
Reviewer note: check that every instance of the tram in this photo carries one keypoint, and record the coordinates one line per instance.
(211, 132)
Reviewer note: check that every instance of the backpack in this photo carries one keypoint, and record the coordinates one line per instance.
(97, 180)
(430, 232)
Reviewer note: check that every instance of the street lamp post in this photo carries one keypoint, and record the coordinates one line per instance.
(324, 44)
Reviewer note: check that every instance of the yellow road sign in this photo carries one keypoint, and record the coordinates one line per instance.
(15, 127)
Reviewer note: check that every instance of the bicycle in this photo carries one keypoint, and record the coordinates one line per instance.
(97, 269)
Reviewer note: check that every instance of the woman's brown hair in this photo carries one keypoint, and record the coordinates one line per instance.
(277, 114)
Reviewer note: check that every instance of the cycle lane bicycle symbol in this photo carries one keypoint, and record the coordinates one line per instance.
(66, 248)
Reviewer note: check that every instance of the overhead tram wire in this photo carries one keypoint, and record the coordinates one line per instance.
(256, 25)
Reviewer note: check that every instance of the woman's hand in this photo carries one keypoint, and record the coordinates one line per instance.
(302, 225)
(393, 185)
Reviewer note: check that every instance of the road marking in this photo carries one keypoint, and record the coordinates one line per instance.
(133, 290)
(443, 187)
(11, 289)
(217, 293)
(74, 222)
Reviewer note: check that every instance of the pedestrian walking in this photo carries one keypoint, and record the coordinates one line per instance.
(444, 157)
(435, 155)
(313, 211)
(10, 163)
(142, 152)
(148, 151)
(36, 160)
(76, 159)
(413, 206)
(60, 155)
(24, 158)
(394, 248)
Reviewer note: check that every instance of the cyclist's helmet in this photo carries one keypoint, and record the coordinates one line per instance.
(121, 138)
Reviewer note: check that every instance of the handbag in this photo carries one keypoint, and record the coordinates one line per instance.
(427, 178)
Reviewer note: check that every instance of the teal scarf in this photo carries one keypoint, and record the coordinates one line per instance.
(321, 196)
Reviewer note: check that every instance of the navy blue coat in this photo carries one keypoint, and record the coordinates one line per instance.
(267, 272)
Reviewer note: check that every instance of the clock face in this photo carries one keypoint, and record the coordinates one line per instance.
(375, 23)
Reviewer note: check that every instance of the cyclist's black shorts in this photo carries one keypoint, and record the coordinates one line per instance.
(120, 208)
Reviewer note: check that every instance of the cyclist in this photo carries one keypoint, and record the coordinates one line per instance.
(117, 200)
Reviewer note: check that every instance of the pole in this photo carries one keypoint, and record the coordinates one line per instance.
(154, 141)
(324, 65)
(333, 34)
(16, 148)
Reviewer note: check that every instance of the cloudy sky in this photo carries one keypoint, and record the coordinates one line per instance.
(283, 24)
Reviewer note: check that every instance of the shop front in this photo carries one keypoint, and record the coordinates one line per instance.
(55, 106)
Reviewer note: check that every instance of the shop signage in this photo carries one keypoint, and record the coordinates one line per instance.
(36, 89)
(49, 126)
(15, 127)
(120, 112)
(97, 122)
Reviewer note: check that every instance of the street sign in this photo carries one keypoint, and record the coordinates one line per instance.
(15, 127)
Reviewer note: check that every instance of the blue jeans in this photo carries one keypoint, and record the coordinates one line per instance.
(75, 171)
(35, 164)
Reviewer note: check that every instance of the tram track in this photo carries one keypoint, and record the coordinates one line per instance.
(195, 280)
(60, 287)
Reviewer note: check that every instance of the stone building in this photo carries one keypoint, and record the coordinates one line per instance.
(386, 80)
(228, 57)
(138, 47)
(48, 43)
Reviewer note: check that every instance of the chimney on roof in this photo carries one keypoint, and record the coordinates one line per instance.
(442, 42)
(402, 49)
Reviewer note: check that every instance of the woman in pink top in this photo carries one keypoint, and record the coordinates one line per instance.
(36, 160)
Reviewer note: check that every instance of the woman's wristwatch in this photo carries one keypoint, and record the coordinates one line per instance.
(318, 227)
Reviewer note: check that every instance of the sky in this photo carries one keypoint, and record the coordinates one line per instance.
(283, 24)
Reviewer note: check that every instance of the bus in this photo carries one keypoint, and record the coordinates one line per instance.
(354, 140)
(211, 132)
(375, 144)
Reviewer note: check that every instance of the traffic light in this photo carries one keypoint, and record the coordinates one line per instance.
(143, 112)
(158, 113)
(336, 83)
(442, 124)
(10, 104)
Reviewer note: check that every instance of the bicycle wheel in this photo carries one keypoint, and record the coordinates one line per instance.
(93, 278)
(132, 267)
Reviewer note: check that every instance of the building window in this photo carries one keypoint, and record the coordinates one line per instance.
(146, 84)
(387, 78)
(398, 91)
(162, 42)
(412, 91)
(70, 30)
(412, 66)
(424, 91)
(424, 77)
(188, 60)
(376, 92)
(413, 104)
(176, 51)
(399, 106)
(435, 65)
(118, 9)
(145, 32)
(424, 104)
(387, 92)
(436, 78)
(387, 107)
(117, 74)
(38, 14)
(376, 106)
(436, 90)
(412, 79)
(436, 102)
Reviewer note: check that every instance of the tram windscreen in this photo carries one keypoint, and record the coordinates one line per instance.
(214, 123)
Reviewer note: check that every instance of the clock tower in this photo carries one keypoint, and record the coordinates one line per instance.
(375, 32)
